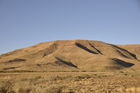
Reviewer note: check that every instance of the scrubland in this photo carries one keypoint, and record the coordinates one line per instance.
(70, 82)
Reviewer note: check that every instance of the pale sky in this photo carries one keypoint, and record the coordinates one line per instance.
(27, 22)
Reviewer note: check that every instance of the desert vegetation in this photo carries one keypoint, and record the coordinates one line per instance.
(70, 82)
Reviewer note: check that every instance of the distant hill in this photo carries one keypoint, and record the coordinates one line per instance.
(72, 55)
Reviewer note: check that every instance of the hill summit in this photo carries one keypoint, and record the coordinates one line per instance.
(72, 55)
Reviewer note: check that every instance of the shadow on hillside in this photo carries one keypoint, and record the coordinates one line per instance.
(9, 68)
(133, 55)
(122, 54)
(61, 61)
(95, 48)
(49, 50)
(122, 63)
(16, 60)
(85, 48)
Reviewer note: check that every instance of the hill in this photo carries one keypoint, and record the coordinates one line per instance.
(72, 55)
(135, 48)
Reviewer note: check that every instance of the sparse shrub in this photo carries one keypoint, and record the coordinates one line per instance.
(38, 77)
(54, 90)
(6, 87)
(34, 79)
(83, 71)
(21, 90)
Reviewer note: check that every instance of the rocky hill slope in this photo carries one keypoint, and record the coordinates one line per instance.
(72, 55)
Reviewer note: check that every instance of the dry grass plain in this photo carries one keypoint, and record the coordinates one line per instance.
(70, 82)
